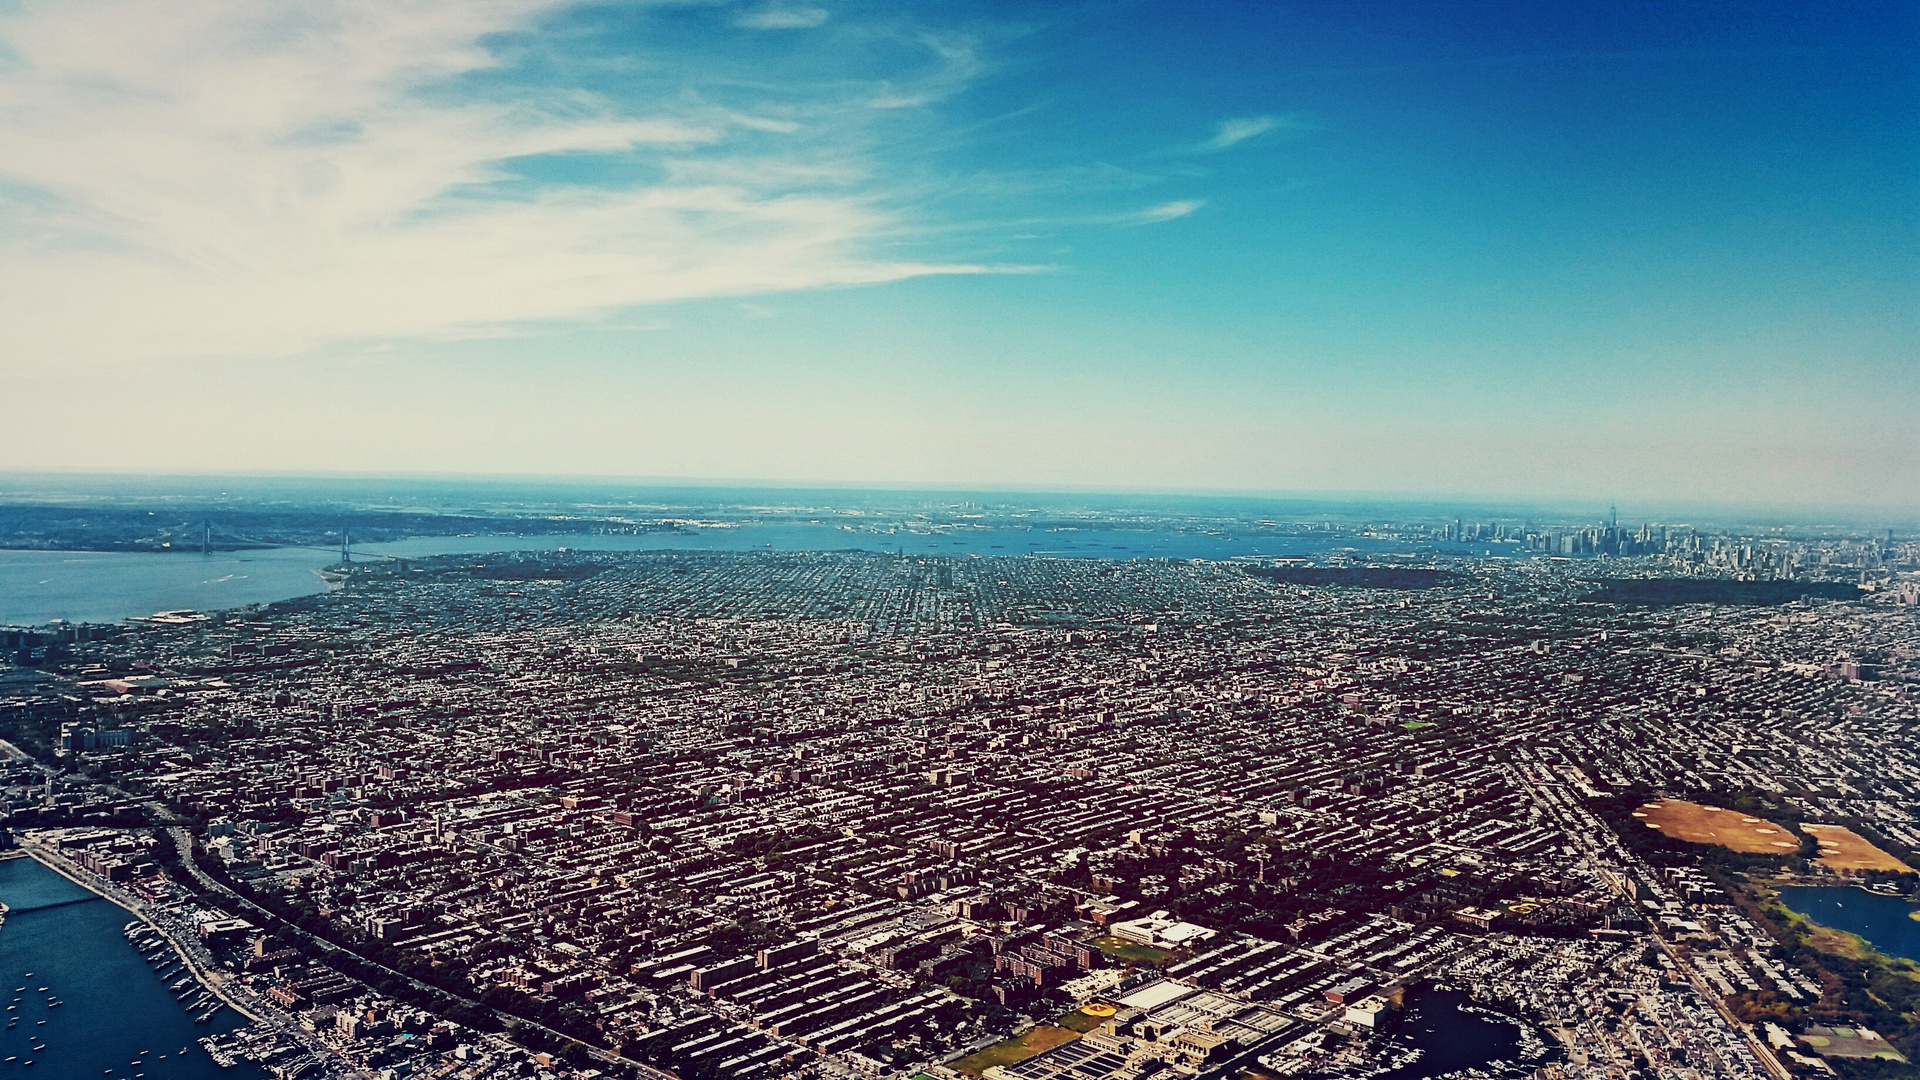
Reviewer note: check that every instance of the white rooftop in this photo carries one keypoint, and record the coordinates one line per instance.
(1155, 994)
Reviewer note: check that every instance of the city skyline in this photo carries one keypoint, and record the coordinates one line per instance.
(1612, 252)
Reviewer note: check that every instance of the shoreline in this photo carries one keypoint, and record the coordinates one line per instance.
(1867, 949)
(134, 907)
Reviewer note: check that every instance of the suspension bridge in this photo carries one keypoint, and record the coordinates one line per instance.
(345, 547)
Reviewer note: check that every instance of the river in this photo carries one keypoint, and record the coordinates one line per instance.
(1885, 921)
(116, 1018)
(38, 587)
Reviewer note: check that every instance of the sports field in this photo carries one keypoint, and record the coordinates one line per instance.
(1849, 1043)
(1019, 1048)
(1843, 849)
(1084, 1019)
(1712, 825)
(1132, 951)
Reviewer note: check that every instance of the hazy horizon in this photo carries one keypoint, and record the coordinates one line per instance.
(738, 492)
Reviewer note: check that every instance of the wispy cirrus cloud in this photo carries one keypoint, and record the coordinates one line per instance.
(1167, 211)
(782, 18)
(1236, 130)
(224, 178)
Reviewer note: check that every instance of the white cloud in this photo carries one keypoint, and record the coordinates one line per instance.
(227, 178)
(957, 65)
(1166, 211)
(782, 18)
(1239, 129)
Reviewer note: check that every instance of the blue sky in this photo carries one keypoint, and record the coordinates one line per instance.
(1654, 251)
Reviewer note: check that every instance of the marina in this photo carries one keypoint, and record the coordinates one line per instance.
(1444, 1033)
(203, 1004)
(94, 978)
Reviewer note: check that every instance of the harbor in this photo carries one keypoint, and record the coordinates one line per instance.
(166, 963)
(92, 992)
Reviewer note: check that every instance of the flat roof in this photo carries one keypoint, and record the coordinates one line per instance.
(1155, 994)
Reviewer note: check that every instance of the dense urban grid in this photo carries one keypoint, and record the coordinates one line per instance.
(757, 815)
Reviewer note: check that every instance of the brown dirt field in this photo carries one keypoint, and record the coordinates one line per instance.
(1731, 829)
(1843, 849)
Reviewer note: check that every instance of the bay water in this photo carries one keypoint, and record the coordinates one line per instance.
(38, 587)
(116, 1018)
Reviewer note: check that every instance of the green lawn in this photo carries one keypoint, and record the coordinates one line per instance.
(1133, 952)
(1028, 1043)
(1079, 1021)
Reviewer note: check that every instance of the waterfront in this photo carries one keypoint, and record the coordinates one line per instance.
(1886, 922)
(1448, 1033)
(115, 1018)
(38, 587)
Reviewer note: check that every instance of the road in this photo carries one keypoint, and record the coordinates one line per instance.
(256, 1006)
(198, 961)
(183, 844)
(1576, 830)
